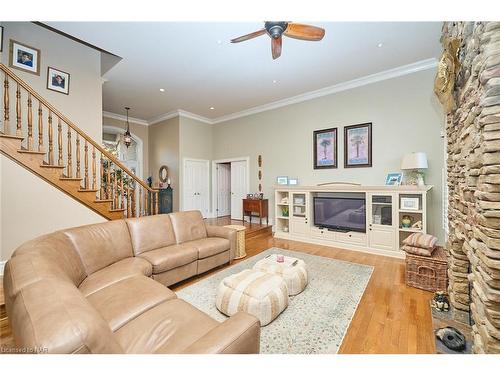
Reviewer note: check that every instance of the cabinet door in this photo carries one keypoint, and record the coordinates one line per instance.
(382, 221)
(382, 238)
(300, 227)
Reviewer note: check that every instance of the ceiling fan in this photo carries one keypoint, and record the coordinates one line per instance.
(276, 29)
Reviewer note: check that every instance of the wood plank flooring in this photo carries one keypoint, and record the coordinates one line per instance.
(391, 317)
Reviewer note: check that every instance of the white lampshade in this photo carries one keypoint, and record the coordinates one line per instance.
(415, 160)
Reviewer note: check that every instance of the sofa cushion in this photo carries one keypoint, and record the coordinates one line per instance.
(52, 315)
(170, 257)
(150, 233)
(169, 327)
(188, 226)
(123, 269)
(100, 245)
(57, 249)
(124, 300)
(209, 246)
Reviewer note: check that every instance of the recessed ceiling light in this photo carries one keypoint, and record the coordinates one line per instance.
(379, 45)
(275, 81)
(219, 41)
(212, 108)
(162, 90)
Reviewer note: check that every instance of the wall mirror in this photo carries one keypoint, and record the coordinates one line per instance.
(163, 174)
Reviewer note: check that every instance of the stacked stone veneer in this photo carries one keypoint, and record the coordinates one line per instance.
(473, 132)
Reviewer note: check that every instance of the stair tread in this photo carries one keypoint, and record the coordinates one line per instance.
(11, 136)
(88, 190)
(116, 209)
(103, 200)
(52, 166)
(25, 151)
(70, 178)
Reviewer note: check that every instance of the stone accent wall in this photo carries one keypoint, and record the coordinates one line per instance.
(473, 132)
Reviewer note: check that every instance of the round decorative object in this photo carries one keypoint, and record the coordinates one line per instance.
(260, 161)
(260, 175)
(445, 78)
(452, 338)
(163, 174)
(406, 221)
(260, 187)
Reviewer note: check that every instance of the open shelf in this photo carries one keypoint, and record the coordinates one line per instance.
(411, 211)
(411, 230)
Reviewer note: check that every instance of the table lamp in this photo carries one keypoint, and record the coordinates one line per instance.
(417, 162)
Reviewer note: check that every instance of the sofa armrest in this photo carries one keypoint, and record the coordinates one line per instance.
(240, 334)
(223, 232)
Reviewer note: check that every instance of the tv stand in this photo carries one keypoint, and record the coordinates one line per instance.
(386, 206)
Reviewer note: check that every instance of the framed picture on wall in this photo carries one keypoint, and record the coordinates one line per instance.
(57, 80)
(358, 146)
(325, 148)
(24, 57)
(1, 38)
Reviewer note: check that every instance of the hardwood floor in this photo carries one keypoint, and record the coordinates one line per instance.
(391, 317)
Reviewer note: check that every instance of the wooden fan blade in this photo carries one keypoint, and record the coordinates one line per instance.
(248, 36)
(304, 32)
(276, 47)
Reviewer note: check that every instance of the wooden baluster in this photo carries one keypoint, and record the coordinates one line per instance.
(134, 211)
(6, 105)
(70, 162)
(128, 201)
(94, 170)
(140, 201)
(101, 190)
(19, 130)
(86, 182)
(51, 140)
(146, 206)
(78, 174)
(122, 191)
(156, 202)
(59, 143)
(115, 188)
(40, 127)
(30, 123)
(108, 181)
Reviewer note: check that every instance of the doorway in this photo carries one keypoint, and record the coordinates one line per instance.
(230, 184)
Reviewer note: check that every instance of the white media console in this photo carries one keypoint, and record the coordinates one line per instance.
(383, 213)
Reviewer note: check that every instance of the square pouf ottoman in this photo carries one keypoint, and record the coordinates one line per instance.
(292, 270)
(260, 294)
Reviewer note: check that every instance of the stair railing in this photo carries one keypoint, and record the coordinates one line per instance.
(101, 172)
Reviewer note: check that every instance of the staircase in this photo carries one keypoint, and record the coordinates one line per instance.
(63, 155)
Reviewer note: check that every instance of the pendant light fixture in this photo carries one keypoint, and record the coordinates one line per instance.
(127, 137)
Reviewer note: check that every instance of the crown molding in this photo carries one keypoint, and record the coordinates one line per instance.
(358, 82)
(348, 85)
(116, 116)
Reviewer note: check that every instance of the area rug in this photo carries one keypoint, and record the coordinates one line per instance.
(316, 320)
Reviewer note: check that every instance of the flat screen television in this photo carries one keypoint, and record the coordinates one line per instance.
(342, 214)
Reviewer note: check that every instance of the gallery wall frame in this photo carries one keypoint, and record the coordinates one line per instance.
(325, 148)
(358, 145)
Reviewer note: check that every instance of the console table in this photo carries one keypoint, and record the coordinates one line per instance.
(258, 206)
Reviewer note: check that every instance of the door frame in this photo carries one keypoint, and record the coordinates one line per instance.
(207, 162)
(215, 186)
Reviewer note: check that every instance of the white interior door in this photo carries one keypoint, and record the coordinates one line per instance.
(223, 189)
(195, 186)
(239, 185)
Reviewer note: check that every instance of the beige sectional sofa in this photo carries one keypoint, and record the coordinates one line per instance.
(103, 289)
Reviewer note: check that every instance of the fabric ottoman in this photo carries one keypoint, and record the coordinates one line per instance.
(260, 294)
(292, 270)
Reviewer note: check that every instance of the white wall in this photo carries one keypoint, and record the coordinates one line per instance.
(405, 118)
(29, 206)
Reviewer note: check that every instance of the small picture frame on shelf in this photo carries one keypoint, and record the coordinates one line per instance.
(249, 196)
(292, 181)
(410, 203)
(282, 180)
(394, 179)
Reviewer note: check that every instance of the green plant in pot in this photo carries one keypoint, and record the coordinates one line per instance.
(284, 211)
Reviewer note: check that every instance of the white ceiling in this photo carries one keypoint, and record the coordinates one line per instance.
(197, 72)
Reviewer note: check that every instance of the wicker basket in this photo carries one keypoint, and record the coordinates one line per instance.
(428, 273)
(240, 240)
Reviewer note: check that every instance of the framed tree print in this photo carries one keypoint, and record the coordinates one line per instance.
(325, 148)
(358, 145)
